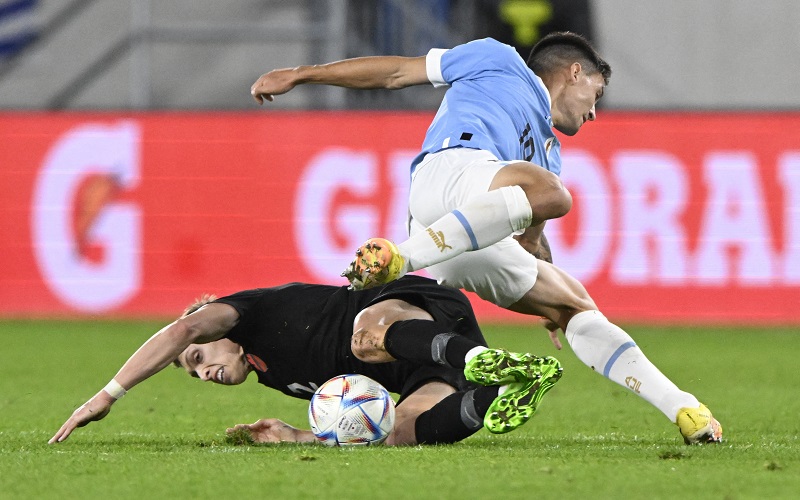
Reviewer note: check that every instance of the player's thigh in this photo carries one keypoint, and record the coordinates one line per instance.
(387, 312)
(421, 400)
(501, 273)
(445, 181)
(555, 295)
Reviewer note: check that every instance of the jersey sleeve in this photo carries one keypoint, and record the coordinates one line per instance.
(245, 301)
(469, 61)
(433, 65)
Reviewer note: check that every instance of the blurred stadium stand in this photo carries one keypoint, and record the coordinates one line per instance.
(204, 54)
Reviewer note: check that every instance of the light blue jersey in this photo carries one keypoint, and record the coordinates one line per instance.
(494, 103)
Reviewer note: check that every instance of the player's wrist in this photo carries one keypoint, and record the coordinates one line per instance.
(115, 389)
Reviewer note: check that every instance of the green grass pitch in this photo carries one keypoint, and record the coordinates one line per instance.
(590, 438)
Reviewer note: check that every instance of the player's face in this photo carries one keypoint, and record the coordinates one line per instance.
(221, 362)
(577, 104)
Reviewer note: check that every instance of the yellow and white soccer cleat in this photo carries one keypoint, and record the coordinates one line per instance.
(698, 426)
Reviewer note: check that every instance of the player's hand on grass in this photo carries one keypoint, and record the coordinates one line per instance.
(94, 409)
(276, 82)
(552, 331)
(270, 430)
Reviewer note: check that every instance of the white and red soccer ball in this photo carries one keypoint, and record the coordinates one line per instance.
(351, 410)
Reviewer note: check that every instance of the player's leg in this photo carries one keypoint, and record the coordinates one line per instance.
(523, 377)
(610, 351)
(466, 200)
(413, 335)
(436, 413)
(394, 329)
(510, 277)
(422, 400)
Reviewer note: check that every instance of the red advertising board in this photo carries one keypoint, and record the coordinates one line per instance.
(678, 218)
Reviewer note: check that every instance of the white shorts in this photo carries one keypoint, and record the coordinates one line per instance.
(501, 273)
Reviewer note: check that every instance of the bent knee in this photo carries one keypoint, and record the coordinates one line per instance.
(548, 196)
(368, 345)
(553, 199)
(563, 203)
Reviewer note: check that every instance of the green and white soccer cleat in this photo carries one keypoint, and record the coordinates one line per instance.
(519, 403)
(377, 262)
(698, 426)
(499, 367)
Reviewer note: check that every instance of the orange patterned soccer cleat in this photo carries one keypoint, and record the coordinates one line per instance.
(377, 262)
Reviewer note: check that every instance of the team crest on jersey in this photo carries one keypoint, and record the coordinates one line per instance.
(548, 145)
(256, 362)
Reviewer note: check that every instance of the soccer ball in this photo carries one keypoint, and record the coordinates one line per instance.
(351, 410)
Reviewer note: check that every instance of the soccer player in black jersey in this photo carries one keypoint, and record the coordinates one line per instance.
(416, 338)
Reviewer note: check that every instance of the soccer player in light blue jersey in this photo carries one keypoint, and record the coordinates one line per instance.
(487, 179)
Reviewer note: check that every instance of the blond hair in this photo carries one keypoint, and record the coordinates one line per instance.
(204, 299)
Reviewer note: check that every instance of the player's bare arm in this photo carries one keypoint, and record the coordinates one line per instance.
(209, 323)
(377, 72)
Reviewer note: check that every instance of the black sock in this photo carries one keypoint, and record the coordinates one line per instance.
(456, 417)
(427, 342)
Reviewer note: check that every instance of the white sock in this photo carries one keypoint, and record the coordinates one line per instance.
(483, 221)
(474, 352)
(608, 350)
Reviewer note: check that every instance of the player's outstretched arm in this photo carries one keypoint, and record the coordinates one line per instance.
(377, 72)
(272, 430)
(209, 323)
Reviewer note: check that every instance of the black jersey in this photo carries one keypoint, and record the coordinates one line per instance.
(297, 336)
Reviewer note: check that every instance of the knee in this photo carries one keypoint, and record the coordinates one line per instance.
(553, 199)
(367, 345)
(547, 195)
(563, 202)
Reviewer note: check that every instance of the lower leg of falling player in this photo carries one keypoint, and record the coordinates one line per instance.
(521, 379)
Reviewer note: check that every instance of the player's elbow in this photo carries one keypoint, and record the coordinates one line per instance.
(186, 331)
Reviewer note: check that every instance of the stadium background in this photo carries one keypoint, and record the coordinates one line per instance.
(137, 172)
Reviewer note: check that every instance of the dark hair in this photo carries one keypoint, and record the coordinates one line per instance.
(563, 48)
